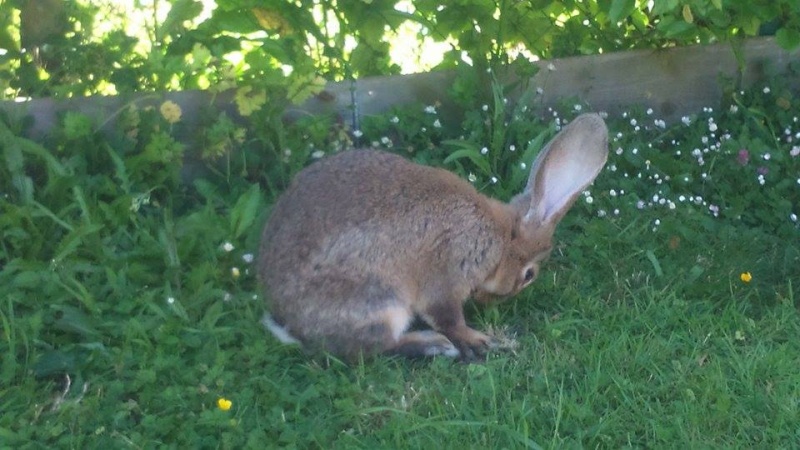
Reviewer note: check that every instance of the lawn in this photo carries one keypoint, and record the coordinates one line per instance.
(666, 316)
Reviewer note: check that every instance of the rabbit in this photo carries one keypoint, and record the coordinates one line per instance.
(364, 242)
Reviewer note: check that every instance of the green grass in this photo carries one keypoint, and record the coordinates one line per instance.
(123, 326)
(608, 355)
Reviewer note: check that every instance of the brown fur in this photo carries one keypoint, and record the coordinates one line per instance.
(364, 241)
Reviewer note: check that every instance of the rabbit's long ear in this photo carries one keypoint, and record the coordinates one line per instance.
(568, 164)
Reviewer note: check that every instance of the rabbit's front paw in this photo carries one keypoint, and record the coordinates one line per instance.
(472, 344)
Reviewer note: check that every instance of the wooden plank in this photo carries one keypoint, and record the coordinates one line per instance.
(673, 82)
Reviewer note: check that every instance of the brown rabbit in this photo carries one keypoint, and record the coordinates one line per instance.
(364, 242)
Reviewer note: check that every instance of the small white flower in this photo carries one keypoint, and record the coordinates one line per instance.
(430, 109)
(318, 154)
(618, 151)
(227, 297)
(494, 180)
(793, 217)
(170, 300)
(649, 111)
(601, 213)
(657, 222)
(633, 122)
(523, 166)
(589, 200)
(734, 109)
(228, 247)
(635, 151)
(612, 193)
(795, 151)
(395, 119)
(640, 204)
(437, 124)
(485, 108)
(712, 126)
(616, 212)
(767, 156)
(659, 123)
(386, 141)
(512, 148)
(686, 120)
(767, 90)
(578, 107)
(484, 151)
(248, 258)
(761, 180)
(472, 178)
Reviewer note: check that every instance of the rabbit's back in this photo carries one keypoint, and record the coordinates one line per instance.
(374, 216)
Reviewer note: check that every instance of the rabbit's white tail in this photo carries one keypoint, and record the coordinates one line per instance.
(277, 330)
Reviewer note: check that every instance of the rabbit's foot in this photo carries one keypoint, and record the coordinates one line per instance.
(472, 344)
(424, 343)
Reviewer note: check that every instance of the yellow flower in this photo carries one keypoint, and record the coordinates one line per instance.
(235, 272)
(171, 111)
(224, 404)
(746, 277)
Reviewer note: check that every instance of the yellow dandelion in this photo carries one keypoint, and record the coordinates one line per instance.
(171, 111)
(224, 404)
(745, 277)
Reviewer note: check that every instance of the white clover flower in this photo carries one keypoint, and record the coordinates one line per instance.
(712, 127)
(657, 222)
(170, 300)
(472, 178)
(228, 247)
(430, 109)
(386, 141)
(767, 90)
(494, 180)
(672, 205)
(485, 107)
(686, 120)
(484, 151)
(358, 133)
(795, 151)
(578, 107)
(601, 213)
(395, 120)
(437, 124)
(633, 122)
(247, 258)
(793, 217)
(227, 297)
(734, 109)
(660, 123)
(616, 212)
(640, 204)
(612, 193)
(523, 166)
(649, 111)
(618, 151)
(767, 156)
(512, 148)
(635, 150)
(589, 200)
(761, 179)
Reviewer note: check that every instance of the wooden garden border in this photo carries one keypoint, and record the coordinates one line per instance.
(673, 82)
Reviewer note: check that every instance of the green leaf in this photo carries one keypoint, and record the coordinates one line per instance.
(245, 211)
(182, 10)
(620, 9)
(468, 151)
(788, 38)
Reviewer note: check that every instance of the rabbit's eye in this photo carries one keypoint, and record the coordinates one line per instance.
(529, 274)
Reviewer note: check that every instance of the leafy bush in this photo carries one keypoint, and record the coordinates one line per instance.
(56, 48)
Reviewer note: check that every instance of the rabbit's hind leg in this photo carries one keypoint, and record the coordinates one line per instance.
(423, 343)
